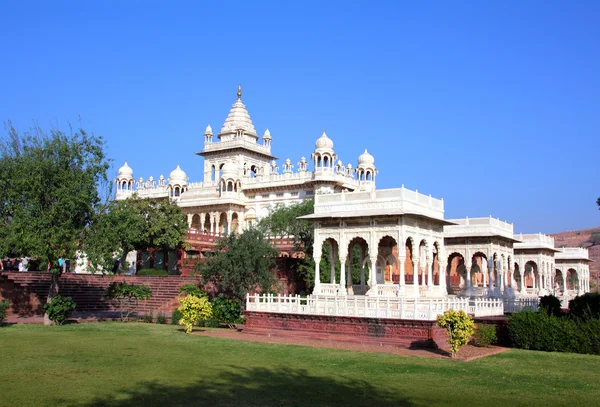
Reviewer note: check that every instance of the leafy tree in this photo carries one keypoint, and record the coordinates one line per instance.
(241, 263)
(134, 224)
(226, 310)
(192, 289)
(51, 188)
(127, 296)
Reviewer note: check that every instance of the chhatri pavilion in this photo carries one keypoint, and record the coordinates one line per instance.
(408, 250)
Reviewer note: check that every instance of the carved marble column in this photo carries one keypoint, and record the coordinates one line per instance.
(343, 272)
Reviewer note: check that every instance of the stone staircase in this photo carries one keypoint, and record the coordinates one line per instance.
(28, 291)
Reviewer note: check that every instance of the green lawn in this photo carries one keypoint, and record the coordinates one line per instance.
(115, 364)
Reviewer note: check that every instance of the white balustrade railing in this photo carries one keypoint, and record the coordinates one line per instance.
(373, 307)
(521, 304)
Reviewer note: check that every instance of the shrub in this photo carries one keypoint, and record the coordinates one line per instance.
(148, 318)
(551, 304)
(460, 328)
(4, 306)
(193, 309)
(127, 296)
(176, 316)
(161, 318)
(153, 272)
(540, 331)
(484, 335)
(192, 289)
(226, 310)
(585, 306)
(59, 308)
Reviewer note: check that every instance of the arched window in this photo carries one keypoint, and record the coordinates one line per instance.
(325, 161)
(124, 185)
(176, 191)
(368, 176)
(212, 173)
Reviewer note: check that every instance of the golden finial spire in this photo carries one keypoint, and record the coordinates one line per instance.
(239, 92)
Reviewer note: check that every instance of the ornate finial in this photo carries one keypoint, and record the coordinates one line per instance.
(239, 92)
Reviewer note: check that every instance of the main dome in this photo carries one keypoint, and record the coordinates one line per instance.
(125, 171)
(324, 142)
(238, 119)
(366, 159)
(178, 176)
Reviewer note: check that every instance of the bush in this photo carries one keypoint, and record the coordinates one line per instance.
(193, 310)
(176, 316)
(152, 272)
(209, 323)
(460, 328)
(4, 306)
(585, 306)
(161, 319)
(226, 310)
(59, 308)
(552, 305)
(192, 289)
(484, 335)
(540, 331)
(148, 318)
(127, 296)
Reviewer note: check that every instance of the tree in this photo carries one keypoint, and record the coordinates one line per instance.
(127, 296)
(134, 224)
(241, 263)
(50, 190)
(193, 309)
(460, 327)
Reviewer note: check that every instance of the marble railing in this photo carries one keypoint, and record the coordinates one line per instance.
(373, 307)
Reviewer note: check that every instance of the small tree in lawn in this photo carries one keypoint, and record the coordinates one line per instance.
(127, 296)
(193, 309)
(460, 328)
(241, 263)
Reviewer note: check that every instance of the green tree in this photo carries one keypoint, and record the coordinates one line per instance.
(134, 224)
(241, 263)
(51, 187)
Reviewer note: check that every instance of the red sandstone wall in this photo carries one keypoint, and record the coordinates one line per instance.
(28, 291)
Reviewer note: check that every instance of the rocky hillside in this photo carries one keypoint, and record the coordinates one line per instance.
(588, 238)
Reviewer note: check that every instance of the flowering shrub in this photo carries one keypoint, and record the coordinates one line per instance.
(460, 328)
(193, 309)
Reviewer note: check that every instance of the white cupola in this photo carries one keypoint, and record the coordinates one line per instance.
(324, 156)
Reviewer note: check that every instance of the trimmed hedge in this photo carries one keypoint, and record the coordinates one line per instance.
(552, 305)
(585, 306)
(152, 272)
(540, 331)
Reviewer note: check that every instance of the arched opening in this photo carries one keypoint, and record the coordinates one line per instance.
(508, 273)
(124, 185)
(530, 275)
(253, 171)
(388, 269)
(559, 283)
(221, 170)
(359, 269)
(212, 173)
(229, 186)
(479, 270)
(409, 270)
(572, 280)
(325, 161)
(457, 273)
(517, 277)
(330, 263)
(176, 191)
(222, 227)
(368, 176)
(422, 262)
(435, 270)
(207, 222)
(196, 222)
(234, 223)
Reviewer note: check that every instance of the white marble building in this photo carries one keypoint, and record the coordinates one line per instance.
(407, 248)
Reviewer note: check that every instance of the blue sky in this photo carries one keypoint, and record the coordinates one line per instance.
(494, 106)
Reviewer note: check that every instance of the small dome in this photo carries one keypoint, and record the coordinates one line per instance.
(208, 131)
(229, 170)
(324, 142)
(366, 159)
(303, 159)
(267, 135)
(151, 179)
(340, 163)
(161, 178)
(288, 161)
(125, 171)
(349, 166)
(178, 176)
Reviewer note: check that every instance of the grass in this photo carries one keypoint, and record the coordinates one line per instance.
(116, 364)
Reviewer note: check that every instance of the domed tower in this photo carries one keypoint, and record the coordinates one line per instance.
(177, 182)
(267, 138)
(230, 179)
(324, 156)
(366, 170)
(208, 135)
(125, 180)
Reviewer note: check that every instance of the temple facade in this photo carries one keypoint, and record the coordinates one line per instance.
(407, 248)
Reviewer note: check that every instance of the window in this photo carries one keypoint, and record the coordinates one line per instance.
(265, 195)
(251, 196)
(310, 193)
(280, 195)
(295, 193)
